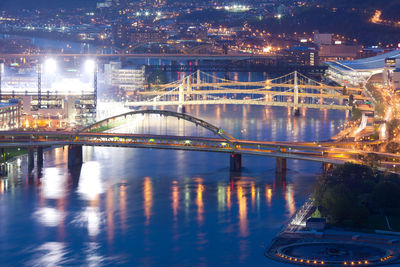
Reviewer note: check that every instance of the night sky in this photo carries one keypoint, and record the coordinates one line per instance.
(46, 3)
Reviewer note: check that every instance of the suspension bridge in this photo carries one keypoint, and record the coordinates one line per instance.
(294, 90)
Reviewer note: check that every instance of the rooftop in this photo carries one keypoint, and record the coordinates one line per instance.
(365, 64)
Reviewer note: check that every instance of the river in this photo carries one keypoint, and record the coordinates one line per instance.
(146, 207)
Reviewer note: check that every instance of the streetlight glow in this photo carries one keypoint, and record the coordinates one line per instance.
(50, 65)
(90, 65)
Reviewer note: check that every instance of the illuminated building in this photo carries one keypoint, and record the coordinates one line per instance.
(10, 114)
(124, 78)
(65, 94)
(339, 52)
(303, 56)
(148, 37)
(359, 71)
(396, 79)
(322, 38)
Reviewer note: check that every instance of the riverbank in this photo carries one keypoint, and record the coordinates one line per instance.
(297, 244)
(10, 153)
(351, 219)
(334, 247)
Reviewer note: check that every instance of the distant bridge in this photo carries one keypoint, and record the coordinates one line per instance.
(98, 135)
(293, 89)
(232, 56)
(171, 47)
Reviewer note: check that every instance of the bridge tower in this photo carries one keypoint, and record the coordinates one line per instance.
(198, 83)
(198, 79)
(181, 107)
(189, 87)
(296, 108)
(268, 97)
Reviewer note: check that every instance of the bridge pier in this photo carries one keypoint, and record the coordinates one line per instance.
(280, 165)
(182, 109)
(31, 159)
(236, 162)
(75, 155)
(39, 157)
(296, 111)
(280, 172)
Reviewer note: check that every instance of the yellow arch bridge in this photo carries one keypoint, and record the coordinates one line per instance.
(214, 140)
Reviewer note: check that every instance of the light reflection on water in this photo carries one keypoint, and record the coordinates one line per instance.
(157, 207)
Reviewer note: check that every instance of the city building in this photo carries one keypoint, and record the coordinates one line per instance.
(303, 56)
(396, 80)
(359, 71)
(80, 109)
(335, 52)
(129, 79)
(65, 95)
(372, 51)
(10, 114)
(322, 38)
(148, 36)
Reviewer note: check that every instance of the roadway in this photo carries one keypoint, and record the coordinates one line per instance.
(252, 91)
(325, 152)
(266, 85)
(234, 102)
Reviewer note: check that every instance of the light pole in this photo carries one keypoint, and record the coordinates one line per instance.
(1, 78)
(50, 66)
(39, 71)
(91, 68)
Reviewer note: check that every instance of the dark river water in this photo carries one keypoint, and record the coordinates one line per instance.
(147, 207)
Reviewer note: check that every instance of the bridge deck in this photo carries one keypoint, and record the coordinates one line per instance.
(326, 152)
(235, 102)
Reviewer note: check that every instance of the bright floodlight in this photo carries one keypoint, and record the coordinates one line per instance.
(50, 66)
(90, 65)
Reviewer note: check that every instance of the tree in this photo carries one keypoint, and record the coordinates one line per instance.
(386, 196)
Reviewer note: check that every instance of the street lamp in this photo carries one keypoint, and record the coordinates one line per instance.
(50, 65)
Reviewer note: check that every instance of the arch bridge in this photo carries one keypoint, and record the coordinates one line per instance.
(170, 47)
(109, 133)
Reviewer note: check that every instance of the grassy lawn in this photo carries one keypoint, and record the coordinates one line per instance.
(13, 152)
(102, 129)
